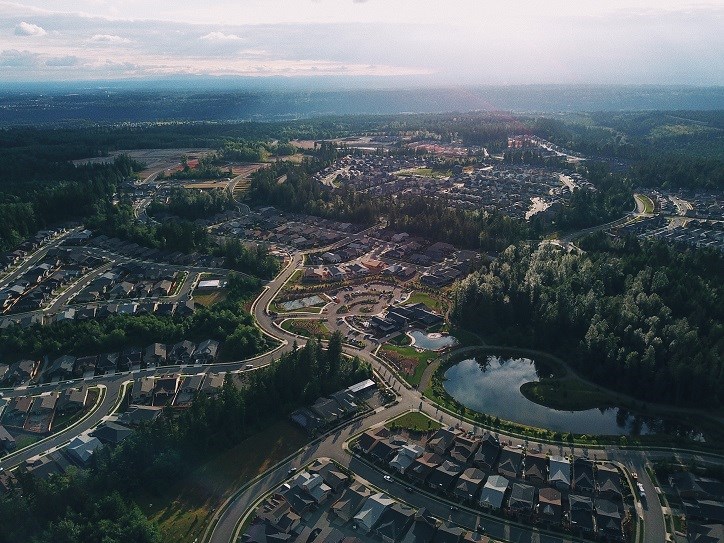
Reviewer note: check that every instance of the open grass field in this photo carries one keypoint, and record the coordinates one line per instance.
(207, 299)
(410, 361)
(415, 422)
(306, 328)
(184, 509)
(424, 298)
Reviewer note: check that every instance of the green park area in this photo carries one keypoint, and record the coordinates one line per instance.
(306, 328)
(414, 421)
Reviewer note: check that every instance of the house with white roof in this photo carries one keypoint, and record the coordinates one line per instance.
(492, 494)
(405, 456)
(371, 511)
(314, 485)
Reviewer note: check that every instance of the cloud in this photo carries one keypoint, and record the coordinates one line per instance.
(65, 61)
(108, 38)
(12, 58)
(220, 36)
(29, 29)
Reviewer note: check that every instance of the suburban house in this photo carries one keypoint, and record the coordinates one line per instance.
(371, 511)
(608, 520)
(423, 528)
(423, 466)
(689, 485)
(370, 438)
(394, 522)
(328, 410)
(405, 456)
(583, 475)
(181, 352)
(442, 440)
(72, 399)
(469, 483)
(443, 476)
(7, 441)
(138, 414)
(464, 449)
(487, 454)
(580, 513)
(165, 389)
(559, 472)
(107, 363)
(314, 485)
(351, 501)
(384, 449)
(213, 382)
(111, 433)
(155, 355)
(142, 392)
(522, 500)
(536, 468)
(61, 368)
(608, 483)
(85, 366)
(510, 462)
(448, 533)
(331, 474)
(550, 506)
(493, 493)
(206, 352)
(280, 516)
(81, 448)
(21, 372)
(188, 390)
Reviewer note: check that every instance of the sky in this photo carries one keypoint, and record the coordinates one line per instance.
(420, 42)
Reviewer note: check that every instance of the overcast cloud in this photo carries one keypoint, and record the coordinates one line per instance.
(425, 41)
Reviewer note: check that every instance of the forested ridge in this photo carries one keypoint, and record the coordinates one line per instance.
(639, 317)
(98, 505)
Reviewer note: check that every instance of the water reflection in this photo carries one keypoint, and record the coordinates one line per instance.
(431, 342)
(491, 385)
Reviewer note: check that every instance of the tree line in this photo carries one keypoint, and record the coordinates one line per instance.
(639, 317)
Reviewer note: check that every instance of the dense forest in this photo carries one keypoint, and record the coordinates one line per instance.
(192, 204)
(226, 321)
(639, 317)
(27, 207)
(97, 505)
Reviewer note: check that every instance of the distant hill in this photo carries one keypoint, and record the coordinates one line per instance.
(121, 102)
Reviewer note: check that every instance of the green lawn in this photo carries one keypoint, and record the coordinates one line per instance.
(208, 299)
(414, 421)
(400, 340)
(184, 509)
(566, 394)
(418, 297)
(408, 358)
(306, 328)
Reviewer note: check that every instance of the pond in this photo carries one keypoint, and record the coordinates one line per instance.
(432, 341)
(491, 385)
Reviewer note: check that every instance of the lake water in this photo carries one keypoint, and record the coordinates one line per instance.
(431, 342)
(491, 385)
